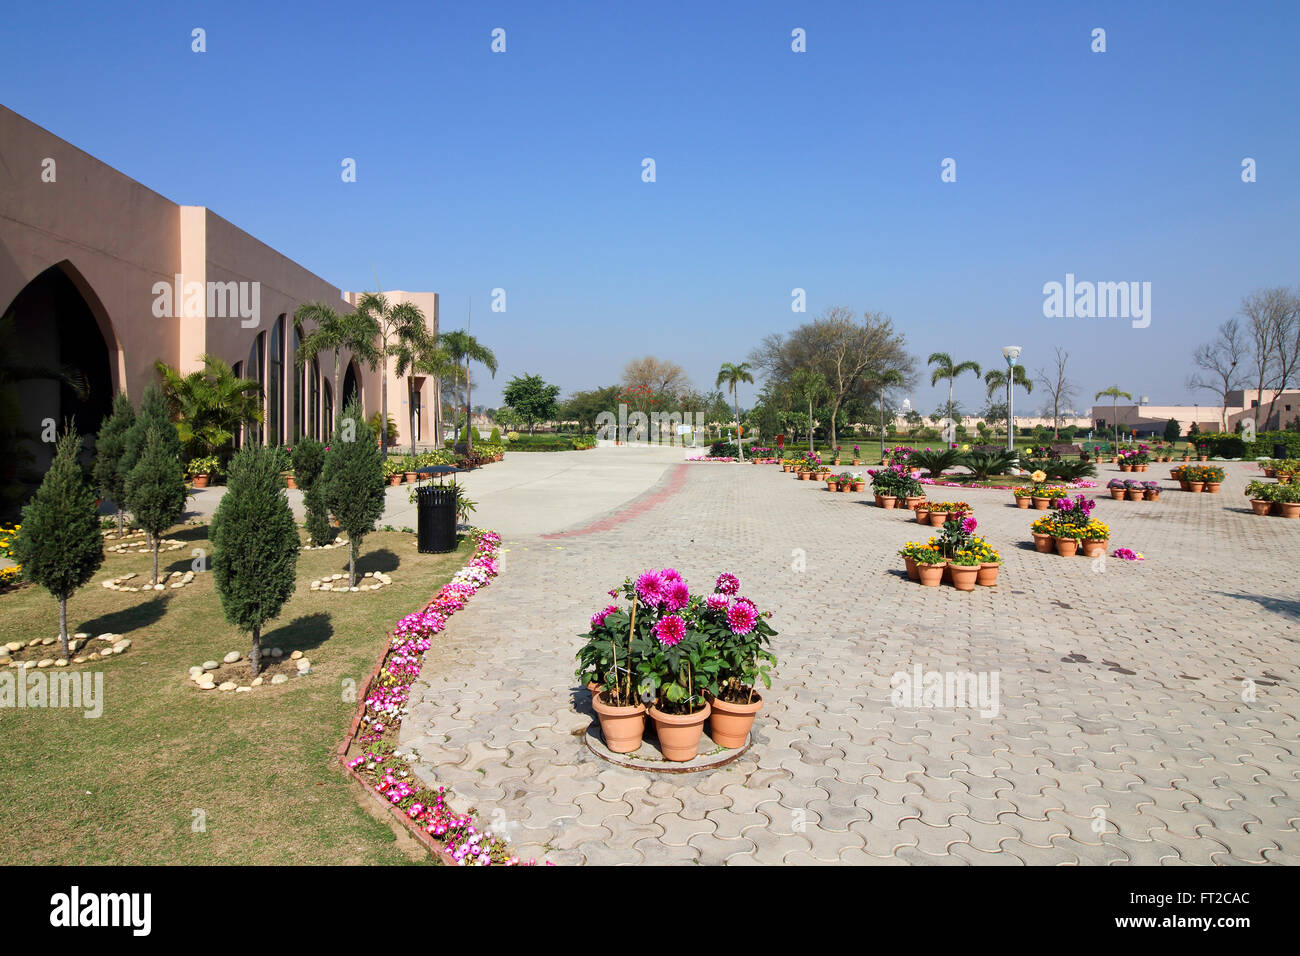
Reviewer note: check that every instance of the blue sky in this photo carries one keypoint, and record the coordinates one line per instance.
(775, 170)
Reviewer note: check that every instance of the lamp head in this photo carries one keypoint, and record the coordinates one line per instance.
(1011, 353)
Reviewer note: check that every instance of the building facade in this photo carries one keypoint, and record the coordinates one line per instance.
(102, 275)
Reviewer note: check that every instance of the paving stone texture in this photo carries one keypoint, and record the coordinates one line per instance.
(1125, 734)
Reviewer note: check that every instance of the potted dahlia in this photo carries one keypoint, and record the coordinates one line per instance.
(740, 633)
(605, 666)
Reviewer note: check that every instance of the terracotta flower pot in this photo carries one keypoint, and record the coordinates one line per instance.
(785, 467)
(963, 576)
(289, 481)
(856, 462)
(913, 500)
(832, 486)
(1023, 503)
(1092, 549)
(1043, 543)
(412, 476)
(1195, 486)
(937, 518)
(912, 574)
(1041, 503)
(1117, 494)
(1290, 509)
(888, 501)
(1203, 458)
(1184, 484)
(394, 479)
(200, 481)
(988, 574)
(1268, 472)
(1153, 494)
(1066, 547)
(679, 734)
(729, 724)
(931, 574)
(922, 515)
(859, 486)
(1260, 507)
(805, 476)
(1134, 494)
(622, 727)
(1212, 487)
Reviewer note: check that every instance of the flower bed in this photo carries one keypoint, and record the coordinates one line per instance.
(958, 557)
(711, 458)
(1069, 529)
(1070, 485)
(1198, 478)
(1281, 500)
(369, 752)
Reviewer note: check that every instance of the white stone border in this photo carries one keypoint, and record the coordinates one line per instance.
(115, 644)
(201, 674)
(165, 544)
(338, 543)
(172, 581)
(370, 581)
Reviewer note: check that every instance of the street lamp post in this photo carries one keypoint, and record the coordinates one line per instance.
(1011, 353)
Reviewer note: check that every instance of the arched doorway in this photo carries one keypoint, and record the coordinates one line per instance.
(351, 386)
(55, 365)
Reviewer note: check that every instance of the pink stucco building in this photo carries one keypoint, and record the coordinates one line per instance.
(102, 274)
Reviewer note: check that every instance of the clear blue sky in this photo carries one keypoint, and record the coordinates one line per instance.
(775, 169)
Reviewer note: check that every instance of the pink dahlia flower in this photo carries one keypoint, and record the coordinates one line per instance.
(742, 617)
(727, 584)
(717, 602)
(670, 630)
(598, 618)
(678, 595)
(671, 574)
(651, 587)
(968, 525)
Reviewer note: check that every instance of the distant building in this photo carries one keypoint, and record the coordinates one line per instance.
(1271, 410)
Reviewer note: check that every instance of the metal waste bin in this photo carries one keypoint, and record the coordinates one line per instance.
(1279, 450)
(435, 507)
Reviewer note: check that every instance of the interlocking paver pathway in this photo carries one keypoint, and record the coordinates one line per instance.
(1123, 736)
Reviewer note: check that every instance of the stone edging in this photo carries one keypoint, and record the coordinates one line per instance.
(117, 644)
(375, 579)
(201, 674)
(164, 544)
(172, 582)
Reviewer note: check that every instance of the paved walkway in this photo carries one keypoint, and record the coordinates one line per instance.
(1123, 735)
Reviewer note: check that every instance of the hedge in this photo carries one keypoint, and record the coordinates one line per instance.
(1228, 445)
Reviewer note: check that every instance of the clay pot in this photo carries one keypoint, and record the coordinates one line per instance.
(832, 486)
(1260, 507)
(785, 467)
(856, 462)
(394, 479)
(1204, 458)
(1290, 509)
(289, 481)
(1212, 487)
(1184, 485)
(1125, 467)
(988, 574)
(622, 727)
(805, 476)
(200, 481)
(931, 575)
(887, 501)
(729, 724)
(912, 501)
(1117, 494)
(679, 734)
(1268, 472)
(1092, 549)
(412, 476)
(859, 486)
(912, 574)
(1067, 547)
(1153, 494)
(1195, 486)
(1041, 503)
(1135, 494)
(1022, 503)
(963, 576)
(922, 515)
(1043, 543)
(937, 518)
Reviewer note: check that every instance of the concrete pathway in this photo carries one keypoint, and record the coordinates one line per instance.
(1125, 733)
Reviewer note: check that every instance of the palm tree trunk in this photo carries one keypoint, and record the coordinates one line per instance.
(469, 430)
(410, 410)
(735, 404)
(383, 402)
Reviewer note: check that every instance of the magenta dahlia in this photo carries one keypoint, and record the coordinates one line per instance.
(598, 618)
(717, 602)
(652, 587)
(677, 595)
(727, 584)
(741, 617)
(670, 630)
(671, 574)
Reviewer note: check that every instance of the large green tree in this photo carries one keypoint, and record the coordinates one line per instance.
(533, 398)
(463, 347)
(155, 491)
(255, 545)
(110, 445)
(59, 545)
(354, 481)
(731, 375)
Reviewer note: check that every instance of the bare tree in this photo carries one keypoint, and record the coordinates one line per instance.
(1219, 364)
(1264, 313)
(846, 353)
(1061, 392)
(1286, 343)
(656, 375)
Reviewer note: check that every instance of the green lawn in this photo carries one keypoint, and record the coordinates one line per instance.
(124, 788)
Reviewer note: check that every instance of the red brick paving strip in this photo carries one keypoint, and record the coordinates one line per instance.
(676, 481)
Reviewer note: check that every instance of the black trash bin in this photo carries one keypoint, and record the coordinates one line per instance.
(1279, 450)
(435, 507)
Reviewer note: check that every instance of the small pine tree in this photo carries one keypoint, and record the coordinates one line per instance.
(59, 545)
(354, 481)
(110, 445)
(255, 544)
(308, 463)
(155, 490)
(153, 414)
(495, 437)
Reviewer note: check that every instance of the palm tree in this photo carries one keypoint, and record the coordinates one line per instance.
(427, 356)
(809, 385)
(1114, 394)
(458, 346)
(944, 368)
(732, 375)
(391, 326)
(210, 405)
(332, 332)
(996, 380)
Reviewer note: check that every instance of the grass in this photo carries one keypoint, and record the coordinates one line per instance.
(128, 787)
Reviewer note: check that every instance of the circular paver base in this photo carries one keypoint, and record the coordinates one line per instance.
(650, 758)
